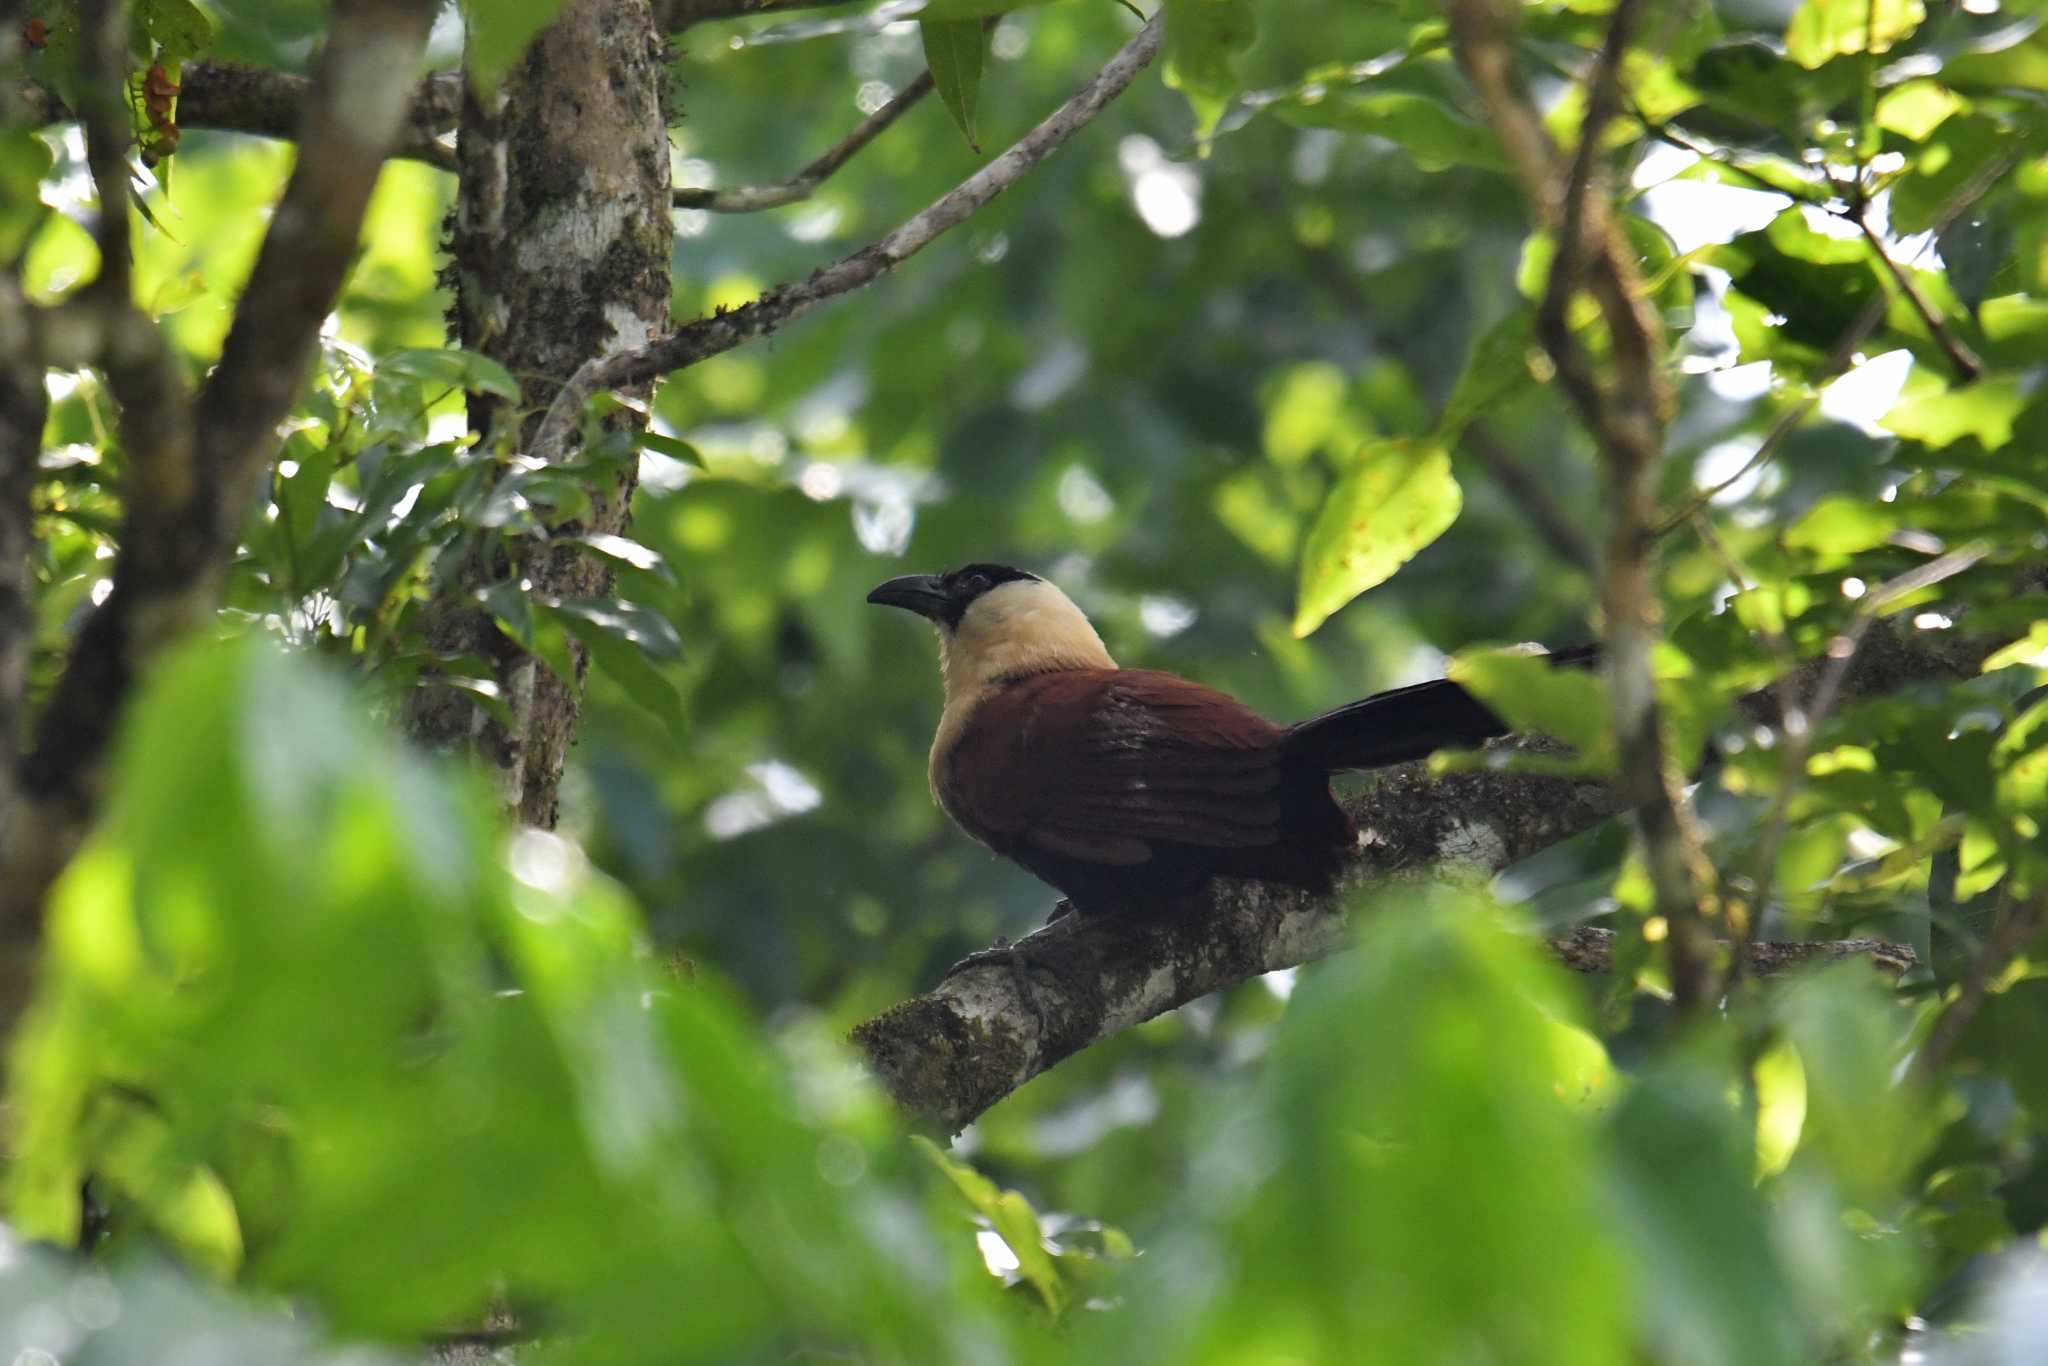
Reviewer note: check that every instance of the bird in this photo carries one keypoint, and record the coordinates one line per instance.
(1127, 790)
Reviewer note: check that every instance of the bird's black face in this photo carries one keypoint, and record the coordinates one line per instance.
(944, 597)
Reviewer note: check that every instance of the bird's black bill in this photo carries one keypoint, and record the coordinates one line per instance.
(923, 594)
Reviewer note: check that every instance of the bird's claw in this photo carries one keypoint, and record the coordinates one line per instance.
(1004, 953)
(1001, 952)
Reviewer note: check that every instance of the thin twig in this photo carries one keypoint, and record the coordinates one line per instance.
(755, 198)
(722, 332)
(1799, 724)
(1532, 496)
(1966, 361)
(1846, 346)
(1741, 923)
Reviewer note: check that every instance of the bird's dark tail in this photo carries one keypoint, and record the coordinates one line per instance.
(1407, 723)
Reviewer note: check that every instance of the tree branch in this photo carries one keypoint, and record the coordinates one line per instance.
(948, 1055)
(24, 405)
(194, 478)
(1625, 412)
(723, 331)
(252, 99)
(1967, 364)
(755, 198)
(1538, 504)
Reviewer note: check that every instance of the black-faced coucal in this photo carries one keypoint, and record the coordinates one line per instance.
(1127, 789)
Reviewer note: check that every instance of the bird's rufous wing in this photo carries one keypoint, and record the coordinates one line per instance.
(1102, 764)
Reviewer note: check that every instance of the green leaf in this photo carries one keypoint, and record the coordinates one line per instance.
(1708, 1270)
(972, 9)
(1824, 29)
(1430, 130)
(642, 627)
(672, 447)
(955, 49)
(498, 32)
(1497, 368)
(1984, 410)
(1308, 408)
(24, 160)
(1840, 525)
(1959, 150)
(179, 28)
(626, 664)
(1537, 696)
(1864, 1129)
(625, 551)
(2030, 649)
(1916, 108)
(1397, 497)
(450, 368)
(1203, 40)
(1387, 1195)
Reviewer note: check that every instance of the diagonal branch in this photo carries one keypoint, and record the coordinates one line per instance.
(722, 332)
(755, 198)
(950, 1054)
(1546, 516)
(1967, 363)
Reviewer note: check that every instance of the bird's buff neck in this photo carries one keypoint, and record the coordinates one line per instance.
(1016, 630)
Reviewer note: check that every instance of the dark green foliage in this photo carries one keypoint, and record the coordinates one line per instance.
(316, 1025)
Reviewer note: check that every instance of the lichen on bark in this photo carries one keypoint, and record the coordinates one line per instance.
(560, 254)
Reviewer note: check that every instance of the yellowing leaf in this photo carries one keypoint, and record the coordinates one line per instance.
(1824, 29)
(1915, 109)
(1840, 526)
(1398, 498)
(1984, 410)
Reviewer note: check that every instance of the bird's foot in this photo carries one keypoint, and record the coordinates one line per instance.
(1003, 953)
(1060, 912)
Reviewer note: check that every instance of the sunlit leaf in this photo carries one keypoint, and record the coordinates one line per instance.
(498, 32)
(1824, 29)
(1398, 497)
(1540, 697)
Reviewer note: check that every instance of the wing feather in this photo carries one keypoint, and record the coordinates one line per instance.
(1104, 765)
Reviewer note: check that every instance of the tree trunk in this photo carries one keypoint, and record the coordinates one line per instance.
(561, 252)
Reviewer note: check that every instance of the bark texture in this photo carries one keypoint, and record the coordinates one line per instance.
(561, 256)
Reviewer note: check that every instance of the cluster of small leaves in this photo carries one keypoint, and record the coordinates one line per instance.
(307, 1021)
(370, 523)
(312, 1027)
